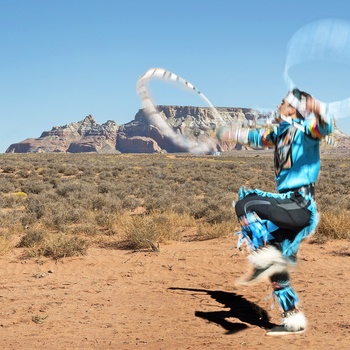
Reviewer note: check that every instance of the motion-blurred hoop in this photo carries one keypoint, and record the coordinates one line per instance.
(195, 145)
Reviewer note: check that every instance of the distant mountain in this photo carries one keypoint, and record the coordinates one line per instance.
(139, 136)
(83, 136)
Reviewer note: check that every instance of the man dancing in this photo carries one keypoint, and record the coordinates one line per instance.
(274, 224)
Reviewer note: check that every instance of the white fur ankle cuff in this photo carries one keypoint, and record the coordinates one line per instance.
(295, 322)
(266, 256)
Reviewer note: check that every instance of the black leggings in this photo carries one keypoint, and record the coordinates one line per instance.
(289, 214)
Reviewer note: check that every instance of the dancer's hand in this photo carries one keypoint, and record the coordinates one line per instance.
(318, 108)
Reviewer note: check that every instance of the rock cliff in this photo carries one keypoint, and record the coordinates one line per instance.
(76, 137)
(140, 136)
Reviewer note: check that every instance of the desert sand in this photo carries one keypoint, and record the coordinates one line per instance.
(185, 296)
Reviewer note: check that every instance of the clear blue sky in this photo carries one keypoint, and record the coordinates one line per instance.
(61, 60)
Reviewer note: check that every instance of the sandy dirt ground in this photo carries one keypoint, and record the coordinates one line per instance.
(183, 297)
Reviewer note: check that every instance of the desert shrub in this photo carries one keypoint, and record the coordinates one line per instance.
(34, 185)
(57, 246)
(31, 238)
(13, 201)
(142, 230)
(197, 209)
(105, 202)
(106, 176)
(333, 225)
(49, 171)
(10, 224)
(106, 220)
(88, 228)
(5, 244)
(7, 201)
(60, 214)
(208, 231)
(219, 215)
(116, 170)
(6, 185)
(131, 202)
(53, 182)
(24, 173)
(98, 202)
(9, 169)
(162, 200)
(152, 227)
(69, 188)
(87, 173)
(325, 201)
(20, 195)
(104, 187)
(68, 169)
(35, 206)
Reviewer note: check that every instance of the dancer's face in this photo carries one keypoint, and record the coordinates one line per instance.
(284, 108)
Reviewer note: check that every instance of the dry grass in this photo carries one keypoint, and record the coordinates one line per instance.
(57, 205)
(333, 225)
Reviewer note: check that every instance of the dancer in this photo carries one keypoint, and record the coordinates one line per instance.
(274, 224)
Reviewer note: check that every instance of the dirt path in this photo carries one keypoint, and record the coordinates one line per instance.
(184, 297)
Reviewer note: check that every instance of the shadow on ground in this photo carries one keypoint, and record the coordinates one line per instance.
(240, 308)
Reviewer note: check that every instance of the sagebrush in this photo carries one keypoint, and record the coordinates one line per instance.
(58, 204)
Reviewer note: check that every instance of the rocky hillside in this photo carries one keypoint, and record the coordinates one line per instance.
(139, 136)
(83, 136)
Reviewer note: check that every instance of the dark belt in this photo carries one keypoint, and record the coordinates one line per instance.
(305, 190)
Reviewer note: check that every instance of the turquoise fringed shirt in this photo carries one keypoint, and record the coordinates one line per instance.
(297, 150)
